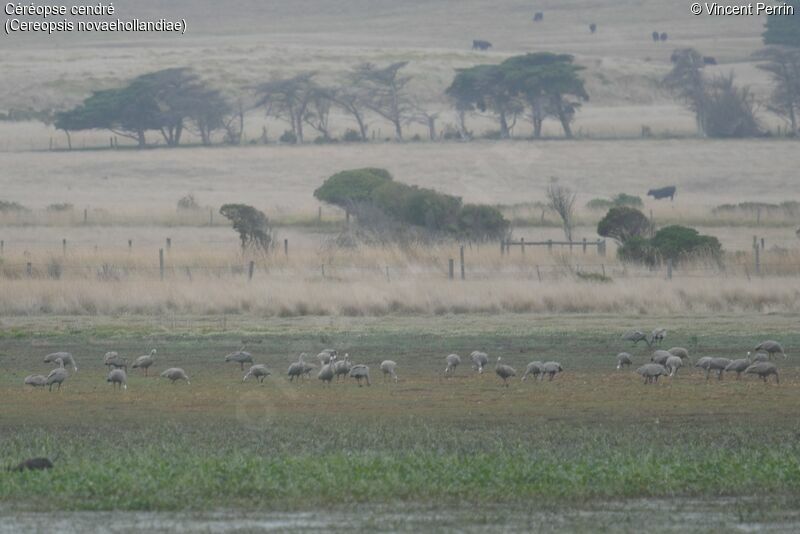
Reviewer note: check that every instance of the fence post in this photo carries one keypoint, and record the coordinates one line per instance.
(450, 268)
(210, 217)
(387, 274)
(538, 273)
(250, 269)
(85, 215)
(669, 269)
(130, 245)
(601, 247)
(286, 247)
(755, 242)
(2, 246)
(161, 262)
(758, 261)
(502, 247)
(64, 246)
(550, 246)
(762, 243)
(188, 273)
(29, 269)
(319, 214)
(462, 262)
(584, 245)
(603, 266)
(522, 244)
(323, 270)
(169, 243)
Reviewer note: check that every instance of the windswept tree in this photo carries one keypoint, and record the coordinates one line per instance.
(783, 64)
(550, 84)
(288, 99)
(385, 92)
(252, 225)
(561, 199)
(686, 81)
(485, 88)
(623, 223)
(165, 100)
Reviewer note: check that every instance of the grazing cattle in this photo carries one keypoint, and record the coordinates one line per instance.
(592, 27)
(662, 192)
(663, 36)
(479, 44)
(538, 16)
(709, 60)
(656, 37)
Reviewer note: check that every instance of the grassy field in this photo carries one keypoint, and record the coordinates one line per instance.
(592, 433)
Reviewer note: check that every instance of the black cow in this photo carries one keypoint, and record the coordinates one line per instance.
(655, 37)
(592, 27)
(663, 36)
(478, 44)
(538, 16)
(709, 60)
(662, 192)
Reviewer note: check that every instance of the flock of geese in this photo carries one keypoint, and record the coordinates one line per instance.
(662, 363)
(667, 362)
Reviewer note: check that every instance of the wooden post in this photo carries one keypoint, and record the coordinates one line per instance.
(584, 245)
(210, 217)
(762, 244)
(347, 217)
(169, 243)
(502, 247)
(64, 245)
(758, 261)
(319, 214)
(2, 246)
(250, 269)
(538, 273)
(550, 246)
(161, 262)
(669, 269)
(188, 273)
(29, 269)
(323, 270)
(603, 266)
(286, 247)
(755, 242)
(85, 215)
(462, 262)
(111, 142)
(387, 274)
(758, 217)
(522, 244)
(601, 247)
(451, 268)
(130, 245)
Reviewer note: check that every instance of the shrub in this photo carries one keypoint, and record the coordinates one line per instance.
(7, 206)
(680, 242)
(623, 223)
(288, 137)
(418, 206)
(253, 226)
(638, 250)
(348, 188)
(599, 204)
(188, 203)
(351, 136)
(593, 277)
(60, 207)
(481, 222)
(627, 200)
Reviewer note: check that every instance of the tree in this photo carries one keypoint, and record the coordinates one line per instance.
(289, 99)
(482, 88)
(347, 189)
(783, 63)
(352, 97)
(550, 84)
(385, 92)
(253, 226)
(729, 110)
(784, 29)
(164, 100)
(623, 223)
(561, 199)
(686, 81)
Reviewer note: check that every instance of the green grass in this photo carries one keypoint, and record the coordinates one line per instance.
(593, 434)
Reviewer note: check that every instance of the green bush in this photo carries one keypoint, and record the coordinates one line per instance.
(599, 204)
(482, 222)
(628, 200)
(347, 188)
(419, 206)
(288, 137)
(7, 206)
(676, 243)
(680, 242)
(351, 136)
(623, 223)
(60, 207)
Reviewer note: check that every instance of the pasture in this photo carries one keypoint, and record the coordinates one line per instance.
(593, 434)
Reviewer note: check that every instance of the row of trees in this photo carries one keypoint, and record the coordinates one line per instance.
(172, 101)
